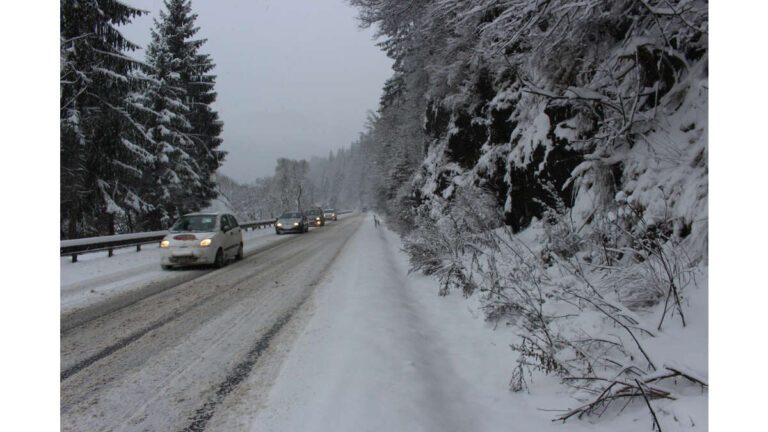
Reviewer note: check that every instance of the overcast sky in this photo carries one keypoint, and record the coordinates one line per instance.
(295, 77)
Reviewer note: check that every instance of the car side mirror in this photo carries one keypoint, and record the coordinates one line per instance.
(225, 228)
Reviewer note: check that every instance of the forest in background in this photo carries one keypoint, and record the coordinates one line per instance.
(336, 181)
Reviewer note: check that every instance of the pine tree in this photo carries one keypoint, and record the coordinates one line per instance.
(206, 126)
(102, 147)
(175, 174)
(182, 120)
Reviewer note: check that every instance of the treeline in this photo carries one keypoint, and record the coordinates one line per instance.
(551, 157)
(139, 139)
(336, 181)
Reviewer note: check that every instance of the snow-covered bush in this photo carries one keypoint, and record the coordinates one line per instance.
(589, 305)
(444, 239)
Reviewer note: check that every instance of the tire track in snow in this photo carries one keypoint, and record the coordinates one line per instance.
(242, 370)
(94, 402)
(83, 316)
(122, 343)
(239, 373)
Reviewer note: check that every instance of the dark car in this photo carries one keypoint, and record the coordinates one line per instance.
(315, 216)
(294, 221)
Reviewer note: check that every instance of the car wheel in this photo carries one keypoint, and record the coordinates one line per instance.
(239, 255)
(219, 261)
(165, 267)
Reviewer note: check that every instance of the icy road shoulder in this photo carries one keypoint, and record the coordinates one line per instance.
(384, 352)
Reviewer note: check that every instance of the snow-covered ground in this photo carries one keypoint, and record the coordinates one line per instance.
(169, 361)
(376, 349)
(383, 352)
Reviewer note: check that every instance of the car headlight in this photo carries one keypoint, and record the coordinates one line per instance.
(317, 218)
(205, 243)
(165, 244)
(279, 224)
(295, 224)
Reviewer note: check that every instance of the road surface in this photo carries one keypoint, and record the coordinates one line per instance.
(326, 331)
(171, 360)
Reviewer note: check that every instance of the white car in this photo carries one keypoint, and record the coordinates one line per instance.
(202, 238)
(330, 214)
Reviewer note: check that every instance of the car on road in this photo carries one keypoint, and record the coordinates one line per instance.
(330, 214)
(294, 221)
(202, 239)
(315, 216)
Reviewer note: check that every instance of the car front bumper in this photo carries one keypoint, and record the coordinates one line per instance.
(188, 256)
(290, 229)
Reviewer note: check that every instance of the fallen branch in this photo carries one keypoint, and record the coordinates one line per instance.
(656, 424)
(618, 389)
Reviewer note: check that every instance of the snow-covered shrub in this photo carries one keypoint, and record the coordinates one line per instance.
(443, 243)
(587, 303)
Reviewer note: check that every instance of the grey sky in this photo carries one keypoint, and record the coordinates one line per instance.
(295, 77)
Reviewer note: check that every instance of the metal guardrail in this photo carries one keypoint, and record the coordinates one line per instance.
(81, 246)
(258, 224)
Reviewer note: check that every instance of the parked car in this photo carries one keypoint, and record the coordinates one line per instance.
(330, 214)
(202, 238)
(294, 221)
(315, 216)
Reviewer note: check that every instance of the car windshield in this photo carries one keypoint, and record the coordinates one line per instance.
(196, 223)
(329, 210)
(294, 215)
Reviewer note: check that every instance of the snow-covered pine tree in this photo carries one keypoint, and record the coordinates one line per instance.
(194, 72)
(205, 122)
(186, 79)
(175, 176)
(102, 148)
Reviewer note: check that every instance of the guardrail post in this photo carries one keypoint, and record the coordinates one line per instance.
(109, 253)
(138, 248)
(74, 258)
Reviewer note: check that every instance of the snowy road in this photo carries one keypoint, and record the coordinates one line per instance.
(319, 332)
(96, 284)
(168, 361)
